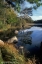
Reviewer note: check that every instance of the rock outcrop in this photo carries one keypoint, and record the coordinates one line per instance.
(16, 31)
(1, 43)
(13, 40)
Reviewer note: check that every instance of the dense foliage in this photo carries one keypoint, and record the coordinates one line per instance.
(8, 17)
(37, 2)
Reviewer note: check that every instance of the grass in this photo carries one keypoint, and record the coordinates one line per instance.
(10, 53)
(1, 59)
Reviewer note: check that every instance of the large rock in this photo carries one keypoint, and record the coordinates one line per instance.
(13, 40)
(16, 31)
(1, 43)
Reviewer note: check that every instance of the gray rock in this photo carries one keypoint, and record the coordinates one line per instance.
(13, 40)
(1, 43)
(16, 31)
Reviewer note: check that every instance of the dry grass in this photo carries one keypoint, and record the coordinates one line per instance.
(21, 59)
(12, 50)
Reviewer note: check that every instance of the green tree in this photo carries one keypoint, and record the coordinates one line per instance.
(37, 2)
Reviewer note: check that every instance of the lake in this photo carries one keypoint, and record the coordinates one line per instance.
(35, 36)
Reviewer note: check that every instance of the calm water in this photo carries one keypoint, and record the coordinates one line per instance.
(36, 38)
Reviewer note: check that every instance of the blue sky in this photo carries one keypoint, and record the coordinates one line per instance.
(37, 14)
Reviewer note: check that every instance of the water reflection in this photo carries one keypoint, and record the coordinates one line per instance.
(35, 36)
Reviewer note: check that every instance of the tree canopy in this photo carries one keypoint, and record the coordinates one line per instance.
(37, 2)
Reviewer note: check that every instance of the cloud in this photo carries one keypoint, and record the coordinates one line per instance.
(36, 17)
(37, 14)
(26, 4)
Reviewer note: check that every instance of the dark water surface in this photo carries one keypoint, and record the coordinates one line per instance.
(35, 37)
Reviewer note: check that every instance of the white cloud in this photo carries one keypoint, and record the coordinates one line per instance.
(26, 4)
(36, 17)
(37, 14)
